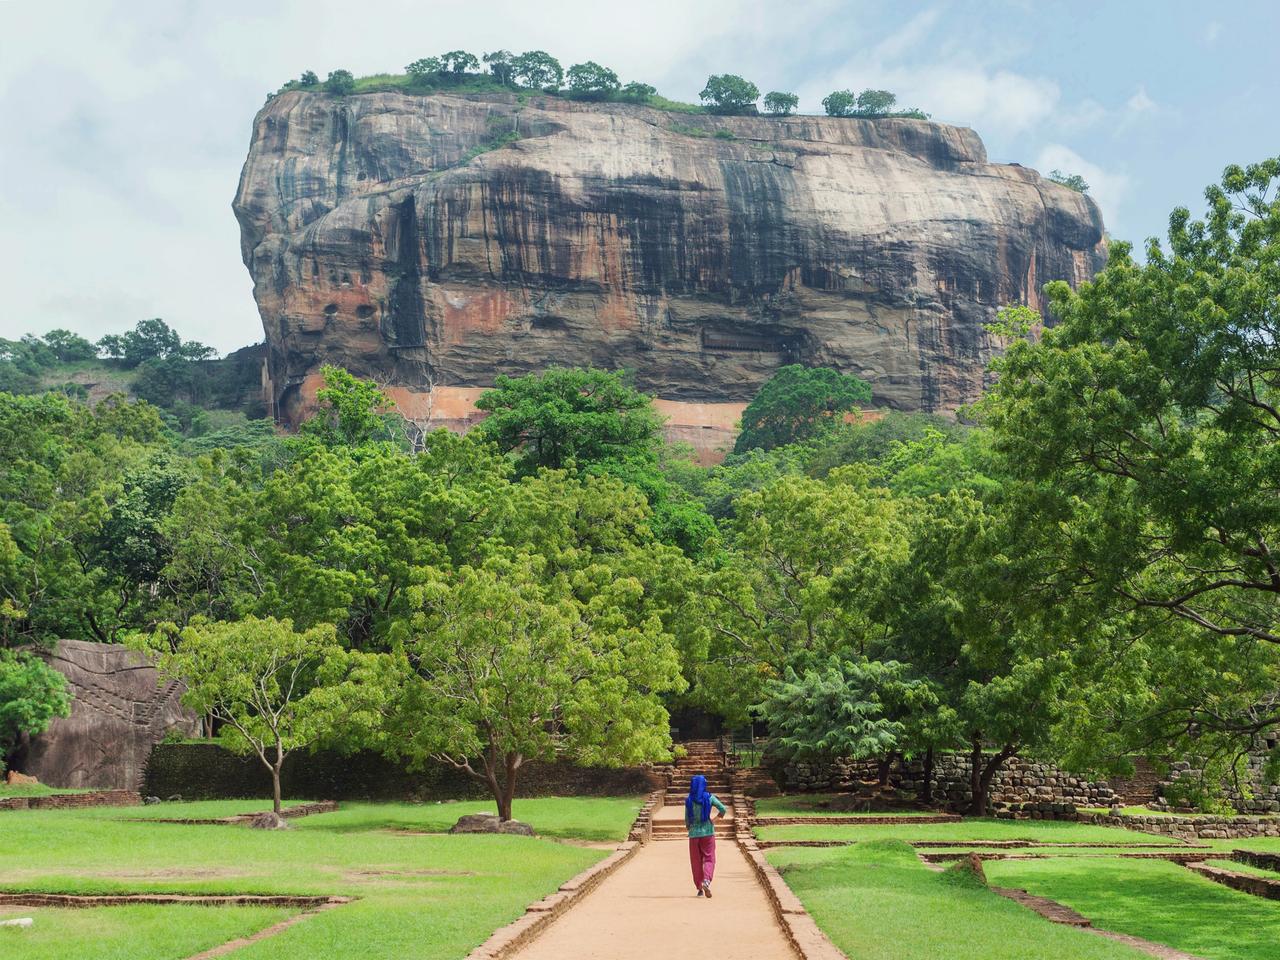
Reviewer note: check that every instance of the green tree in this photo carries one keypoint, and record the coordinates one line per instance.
(351, 412)
(780, 104)
(309, 79)
(32, 695)
(729, 93)
(1072, 181)
(837, 709)
(501, 65)
(590, 81)
(565, 416)
(275, 690)
(637, 92)
(538, 69)
(805, 570)
(840, 103)
(340, 82)
(1144, 425)
(69, 347)
(458, 62)
(424, 70)
(504, 665)
(797, 403)
(875, 103)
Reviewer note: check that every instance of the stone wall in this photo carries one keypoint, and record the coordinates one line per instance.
(1262, 797)
(1195, 828)
(206, 771)
(1021, 787)
(68, 801)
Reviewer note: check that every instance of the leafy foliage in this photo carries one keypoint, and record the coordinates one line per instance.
(780, 104)
(32, 695)
(590, 81)
(340, 82)
(729, 93)
(1072, 181)
(796, 404)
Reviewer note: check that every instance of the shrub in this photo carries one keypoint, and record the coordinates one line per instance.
(340, 82)
(308, 79)
(635, 92)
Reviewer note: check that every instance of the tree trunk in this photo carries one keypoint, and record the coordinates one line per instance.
(507, 795)
(884, 764)
(983, 774)
(977, 802)
(926, 795)
(275, 788)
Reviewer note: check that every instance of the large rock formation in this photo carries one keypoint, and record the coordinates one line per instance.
(411, 239)
(119, 713)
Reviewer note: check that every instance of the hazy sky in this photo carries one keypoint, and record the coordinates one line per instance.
(124, 124)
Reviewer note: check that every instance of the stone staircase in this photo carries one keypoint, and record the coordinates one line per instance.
(707, 758)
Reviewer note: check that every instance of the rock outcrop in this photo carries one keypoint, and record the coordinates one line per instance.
(119, 713)
(434, 242)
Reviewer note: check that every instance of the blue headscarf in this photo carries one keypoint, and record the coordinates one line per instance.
(698, 794)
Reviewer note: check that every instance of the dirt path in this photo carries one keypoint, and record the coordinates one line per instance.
(648, 909)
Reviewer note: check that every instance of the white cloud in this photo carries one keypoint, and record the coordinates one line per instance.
(1140, 102)
(1108, 189)
(1212, 30)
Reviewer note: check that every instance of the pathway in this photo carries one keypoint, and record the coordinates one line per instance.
(648, 909)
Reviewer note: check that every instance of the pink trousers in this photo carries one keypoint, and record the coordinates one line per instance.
(702, 857)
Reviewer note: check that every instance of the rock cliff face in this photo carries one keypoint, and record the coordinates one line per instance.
(437, 241)
(120, 711)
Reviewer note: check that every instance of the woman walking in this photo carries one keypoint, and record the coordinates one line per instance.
(702, 832)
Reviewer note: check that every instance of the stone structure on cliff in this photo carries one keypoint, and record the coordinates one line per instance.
(434, 242)
(119, 713)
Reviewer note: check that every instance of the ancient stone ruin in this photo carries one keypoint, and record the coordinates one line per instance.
(119, 713)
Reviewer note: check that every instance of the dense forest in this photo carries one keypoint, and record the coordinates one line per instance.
(1078, 567)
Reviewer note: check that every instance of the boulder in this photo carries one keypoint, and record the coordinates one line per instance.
(270, 820)
(390, 233)
(119, 712)
(489, 823)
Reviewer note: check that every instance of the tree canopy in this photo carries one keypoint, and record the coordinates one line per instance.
(729, 93)
(796, 403)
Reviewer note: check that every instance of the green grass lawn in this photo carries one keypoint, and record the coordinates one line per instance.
(129, 933)
(878, 902)
(1226, 864)
(818, 805)
(422, 894)
(32, 790)
(1156, 900)
(1043, 831)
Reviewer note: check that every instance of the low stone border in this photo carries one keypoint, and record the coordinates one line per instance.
(68, 801)
(538, 916)
(770, 844)
(288, 813)
(1263, 861)
(838, 820)
(89, 901)
(1195, 828)
(804, 935)
(1056, 912)
(1171, 856)
(1244, 882)
(1046, 845)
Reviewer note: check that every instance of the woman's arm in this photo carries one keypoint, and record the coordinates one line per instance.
(715, 802)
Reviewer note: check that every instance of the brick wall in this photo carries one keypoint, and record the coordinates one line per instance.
(206, 771)
(63, 801)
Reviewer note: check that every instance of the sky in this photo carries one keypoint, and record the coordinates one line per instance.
(125, 124)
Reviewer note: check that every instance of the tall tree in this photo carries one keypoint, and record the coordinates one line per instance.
(780, 104)
(796, 404)
(590, 81)
(1145, 424)
(275, 690)
(504, 664)
(538, 69)
(729, 93)
(565, 416)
